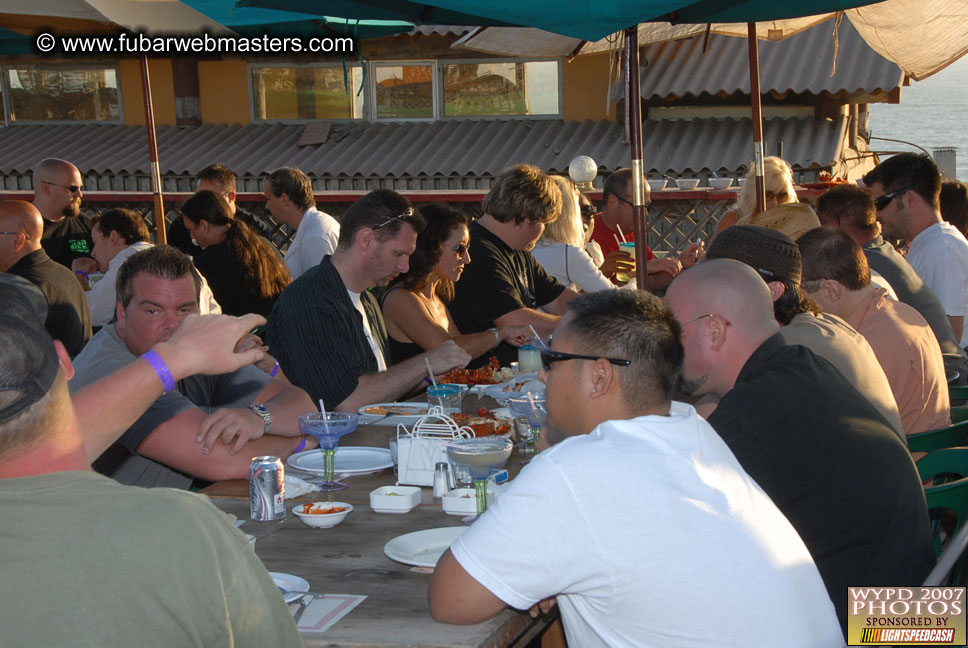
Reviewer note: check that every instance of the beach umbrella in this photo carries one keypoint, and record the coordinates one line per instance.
(592, 20)
(79, 17)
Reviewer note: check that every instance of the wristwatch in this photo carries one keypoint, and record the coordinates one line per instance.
(262, 411)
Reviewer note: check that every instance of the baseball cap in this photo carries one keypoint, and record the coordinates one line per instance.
(28, 360)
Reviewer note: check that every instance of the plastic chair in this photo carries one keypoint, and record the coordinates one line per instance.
(959, 414)
(946, 437)
(958, 392)
(943, 572)
(946, 472)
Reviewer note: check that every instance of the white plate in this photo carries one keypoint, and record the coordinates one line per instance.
(419, 409)
(422, 548)
(290, 583)
(351, 460)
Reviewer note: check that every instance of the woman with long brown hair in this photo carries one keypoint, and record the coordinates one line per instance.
(246, 275)
(415, 305)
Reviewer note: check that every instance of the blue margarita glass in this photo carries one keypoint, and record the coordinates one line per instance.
(328, 429)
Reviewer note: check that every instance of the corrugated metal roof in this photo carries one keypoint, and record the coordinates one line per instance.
(801, 64)
(440, 30)
(400, 150)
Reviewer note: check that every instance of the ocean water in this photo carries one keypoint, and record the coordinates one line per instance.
(932, 113)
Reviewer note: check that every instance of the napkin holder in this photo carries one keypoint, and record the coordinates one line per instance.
(420, 448)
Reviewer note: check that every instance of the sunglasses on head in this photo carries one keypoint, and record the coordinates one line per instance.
(548, 357)
(883, 201)
(407, 213)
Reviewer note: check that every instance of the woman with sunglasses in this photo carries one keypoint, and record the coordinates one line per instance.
(561, 249)
(415, 304)
(778, 181)
(246, 275)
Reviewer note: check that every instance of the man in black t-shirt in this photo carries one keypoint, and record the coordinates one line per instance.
(504, 285)
(58, 189)
(68, 318)
(823, 453)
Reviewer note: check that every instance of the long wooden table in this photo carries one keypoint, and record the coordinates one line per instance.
(349, 559)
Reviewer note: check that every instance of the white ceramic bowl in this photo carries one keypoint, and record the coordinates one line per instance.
(394, 499)
(720, 183)
(460, 501)
(687, 183)
(322, 520)
(655, 185)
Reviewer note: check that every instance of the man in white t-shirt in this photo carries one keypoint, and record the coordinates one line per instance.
(289, 198)
(639, 522)
(905, 188)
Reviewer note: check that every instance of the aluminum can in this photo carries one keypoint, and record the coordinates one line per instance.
(267, 489)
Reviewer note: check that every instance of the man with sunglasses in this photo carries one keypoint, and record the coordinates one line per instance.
(905, 188)
(638, 521)
(327, 331)
(617, 219)
(821, 451)
(58, 190)
(851, 209)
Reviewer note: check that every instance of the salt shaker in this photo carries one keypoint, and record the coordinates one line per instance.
(441, 486)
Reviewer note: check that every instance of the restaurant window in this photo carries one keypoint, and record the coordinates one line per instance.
(305, 93)
(404, 90)
(62, 94)
(501, 88)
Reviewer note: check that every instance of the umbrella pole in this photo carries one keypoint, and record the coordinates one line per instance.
(633, 100)
(161, 235)
(757, 118)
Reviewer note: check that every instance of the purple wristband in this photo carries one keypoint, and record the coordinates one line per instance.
(272, 374)
(164, 373)
(301, 446)
(83, 274)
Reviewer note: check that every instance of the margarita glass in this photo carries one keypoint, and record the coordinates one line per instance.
(328, 429)
(480, 455)
(533, 409)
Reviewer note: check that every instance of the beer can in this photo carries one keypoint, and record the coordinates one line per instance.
(267, 489)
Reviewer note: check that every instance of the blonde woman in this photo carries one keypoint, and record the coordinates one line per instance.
(778, 180)
(561, 249)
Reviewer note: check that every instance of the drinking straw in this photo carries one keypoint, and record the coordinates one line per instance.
(322, 408)
(617, 239)
(537, 337)
(621, 233)
(430, 372)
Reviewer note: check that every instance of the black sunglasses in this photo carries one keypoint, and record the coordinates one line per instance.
(630, 203)
(587, 211)
(549, 356)
(883, 201)
(70, 188)
(461, 249)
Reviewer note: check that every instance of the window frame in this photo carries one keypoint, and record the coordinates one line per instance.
(251, 92)
(466, 61)
(5, 88)
(435, 90)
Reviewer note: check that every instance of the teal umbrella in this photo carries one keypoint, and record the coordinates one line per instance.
(586, 19)
(593, 20)
(256, 21)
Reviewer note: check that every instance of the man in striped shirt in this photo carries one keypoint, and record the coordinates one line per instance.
(327, 331)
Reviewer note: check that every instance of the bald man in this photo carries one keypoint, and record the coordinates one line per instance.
(821, 451)
(58, 189)
(68, 317)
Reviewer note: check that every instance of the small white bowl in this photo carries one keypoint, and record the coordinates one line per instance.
(687, 183)
(322, 520)
(720, 183)
(656, 185)
(394, 499)
(460, 501)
